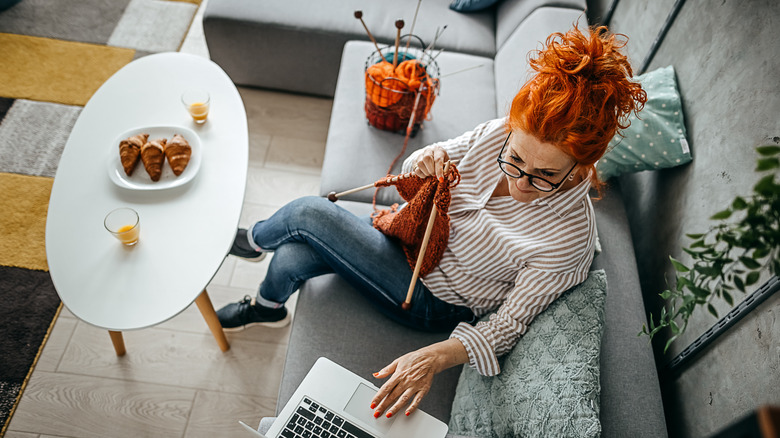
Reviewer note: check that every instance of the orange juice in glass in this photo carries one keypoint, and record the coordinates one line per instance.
(197, 103)
(124, 224)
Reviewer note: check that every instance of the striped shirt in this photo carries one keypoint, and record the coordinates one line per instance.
(512, 257)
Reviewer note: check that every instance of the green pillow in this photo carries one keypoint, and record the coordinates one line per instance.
(549, 382)
(656, 139)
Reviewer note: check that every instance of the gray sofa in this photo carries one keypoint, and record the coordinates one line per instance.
(332, 319)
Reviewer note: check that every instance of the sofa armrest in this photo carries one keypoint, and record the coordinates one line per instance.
(630, 393)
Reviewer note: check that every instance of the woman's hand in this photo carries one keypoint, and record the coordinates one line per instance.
(411, 376)
(431, 163)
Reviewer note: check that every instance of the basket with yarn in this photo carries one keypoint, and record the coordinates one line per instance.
(401, 86)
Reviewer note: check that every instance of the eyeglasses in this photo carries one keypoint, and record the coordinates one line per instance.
(536, 182)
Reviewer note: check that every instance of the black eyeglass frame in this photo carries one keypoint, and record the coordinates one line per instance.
(531, 178)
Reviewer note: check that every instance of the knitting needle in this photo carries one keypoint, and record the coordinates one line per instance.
(359, 16)
(461, 71)
(407, 304)
(333, 196)
(411, 29)
(399, 24)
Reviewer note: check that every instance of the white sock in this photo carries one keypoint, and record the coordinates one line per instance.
(251, 241)
(267, 303)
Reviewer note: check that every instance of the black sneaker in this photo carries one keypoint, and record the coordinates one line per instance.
(245, 313)
(241, 247)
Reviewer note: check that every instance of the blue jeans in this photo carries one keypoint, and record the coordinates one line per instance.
(312, 236)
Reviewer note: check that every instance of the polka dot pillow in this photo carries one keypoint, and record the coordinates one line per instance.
(655, 139)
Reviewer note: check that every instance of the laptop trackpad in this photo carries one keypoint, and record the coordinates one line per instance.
(358, 406)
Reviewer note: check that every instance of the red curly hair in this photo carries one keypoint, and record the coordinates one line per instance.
(580, 95)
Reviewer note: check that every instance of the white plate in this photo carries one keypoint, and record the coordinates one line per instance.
(140, 180)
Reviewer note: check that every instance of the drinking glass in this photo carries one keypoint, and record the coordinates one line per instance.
(124, 224)
(197, 103)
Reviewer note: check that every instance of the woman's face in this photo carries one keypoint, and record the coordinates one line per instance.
(533, 157)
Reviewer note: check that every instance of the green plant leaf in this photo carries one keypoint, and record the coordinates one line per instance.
(760, 253)
(725, 214)
(768, 150)
(767, 164)
(712, 310)
(669, 342)
(695, 236)
(766, 186)
(679, 267)
(752, 278)
(739, 284)
(728, 298)
(749, 263)
(739, 204)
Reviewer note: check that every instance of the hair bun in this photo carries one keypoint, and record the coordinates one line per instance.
(581, 94)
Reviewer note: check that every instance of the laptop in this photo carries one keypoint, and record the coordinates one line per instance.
(333, 402)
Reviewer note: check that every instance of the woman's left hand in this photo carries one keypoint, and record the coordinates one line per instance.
(411, 376)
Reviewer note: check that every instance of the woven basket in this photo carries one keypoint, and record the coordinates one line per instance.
(390, 102)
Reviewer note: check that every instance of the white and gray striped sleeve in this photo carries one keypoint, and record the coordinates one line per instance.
(535, 290)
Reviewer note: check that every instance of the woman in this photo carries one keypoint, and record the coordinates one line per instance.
(522, 229)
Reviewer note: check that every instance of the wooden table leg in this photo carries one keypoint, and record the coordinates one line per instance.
(118, 341)
(207, 310)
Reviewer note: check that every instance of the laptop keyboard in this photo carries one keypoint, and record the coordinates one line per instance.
(312, 420)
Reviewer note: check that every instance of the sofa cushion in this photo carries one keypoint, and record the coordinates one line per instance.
(656, 138)
(549, 382)
(510, 13)
(357, 154)
(512, 68)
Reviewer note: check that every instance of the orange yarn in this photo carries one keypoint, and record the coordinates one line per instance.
(408, 225)
(391, 94)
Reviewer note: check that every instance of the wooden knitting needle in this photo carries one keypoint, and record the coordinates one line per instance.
(333, 196)
(407, 304)
(399, 24)
(359, 16)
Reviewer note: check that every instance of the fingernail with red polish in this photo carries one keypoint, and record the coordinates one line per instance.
(407, 413)
(376, 374)
(373, 405)
(377, 414)
(389, 414)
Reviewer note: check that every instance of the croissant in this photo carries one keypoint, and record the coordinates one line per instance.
(153, 157)
(178, 152)
(130, 151)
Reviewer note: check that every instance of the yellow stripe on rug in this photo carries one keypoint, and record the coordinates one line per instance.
(50, 70)
(24, 204)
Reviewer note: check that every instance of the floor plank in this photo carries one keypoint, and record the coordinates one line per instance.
(181, 359)
(216, 414)
(87, 406)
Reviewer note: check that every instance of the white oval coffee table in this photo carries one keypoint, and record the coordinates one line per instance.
(186, 231)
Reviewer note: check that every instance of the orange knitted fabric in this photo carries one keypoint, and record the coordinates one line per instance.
(408, 225)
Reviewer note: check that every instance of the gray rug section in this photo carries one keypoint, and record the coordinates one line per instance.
(153, 25)
(33, 135)
(92, 21)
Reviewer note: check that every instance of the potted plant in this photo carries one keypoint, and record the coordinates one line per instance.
(730, 256)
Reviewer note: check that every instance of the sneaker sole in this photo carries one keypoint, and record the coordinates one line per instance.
(276, 324)
(257, 259)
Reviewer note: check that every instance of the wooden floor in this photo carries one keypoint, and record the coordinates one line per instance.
(174, 380)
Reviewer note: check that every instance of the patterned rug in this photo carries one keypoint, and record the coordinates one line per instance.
(55, 55)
